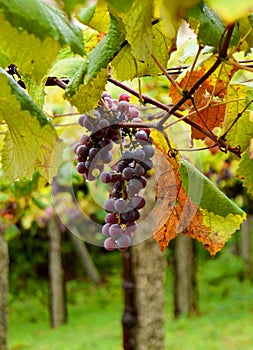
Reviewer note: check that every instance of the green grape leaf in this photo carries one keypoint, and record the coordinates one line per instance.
(231, 10)
(242, 130)
(205, 194)
(34, 62)
(207, 25)
(217, 217)
(124, 65)
(138, 25)
(30, 139)
(43, 21)
(245, 169)
(85, 96)
(121, 6)
(96, 16)
(69, 6)
(67, 67)
(104, 52)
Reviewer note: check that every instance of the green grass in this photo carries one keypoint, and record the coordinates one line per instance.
(94, 313)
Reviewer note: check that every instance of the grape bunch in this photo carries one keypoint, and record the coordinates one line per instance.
(127, 177)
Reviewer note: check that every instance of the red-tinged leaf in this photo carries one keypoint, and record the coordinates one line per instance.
(209, 118)
(187, 83)
(184, 208)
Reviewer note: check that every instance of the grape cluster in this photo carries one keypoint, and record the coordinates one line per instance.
(128, 176)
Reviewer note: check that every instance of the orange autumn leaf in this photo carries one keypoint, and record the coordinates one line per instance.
(209, 118)
(190, 81)
(174, 211)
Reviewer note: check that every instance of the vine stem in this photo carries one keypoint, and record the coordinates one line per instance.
(188, 94)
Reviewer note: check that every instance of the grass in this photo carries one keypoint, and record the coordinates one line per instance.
(94, 313)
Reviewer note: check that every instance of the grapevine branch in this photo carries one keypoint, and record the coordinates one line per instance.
(187, 94)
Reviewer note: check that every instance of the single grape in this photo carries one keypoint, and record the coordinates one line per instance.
(139, 170)
(120, 205)
(82, 151)
(124, 97)
(129, 216)
(105, 229)
(115, 231)
(135, 185)
(149, 151)
(106, 177)
(141, 135)
(109, 205)
(128, 173)
(110, 244)
(82, 119)
(111, 218)
(133, 113)
(93, 152)
(138, 202)
(81, 168)
(139, 154)
(123, 106)
(76, 146)
(123, 242)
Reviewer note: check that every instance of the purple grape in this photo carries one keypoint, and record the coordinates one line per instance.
(128, 173)
(115, 231)
(123, 106)
(149, 151)
(123, 242)
(106, 94)
(82, 151)
(93, 152)
(109, 205)
(106, 177)
(135, 185)
(111, 218)
(141, 135)
(110, 244)
(133, 113)
(139, 170)
(138, 202)
(129, 216)
(76, 146)
(120, 205)
(81, 168)
(105, 230)
(139, 154)
(82, 119)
